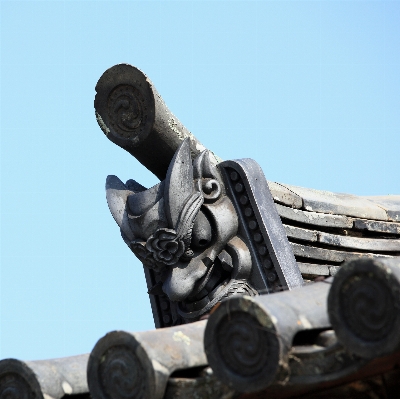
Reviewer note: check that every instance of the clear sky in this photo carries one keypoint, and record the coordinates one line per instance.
(309, 89)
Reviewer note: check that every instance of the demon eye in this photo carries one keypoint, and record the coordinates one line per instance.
(202, 232)
(211, 190)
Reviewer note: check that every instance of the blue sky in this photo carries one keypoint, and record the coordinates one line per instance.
(309, 89)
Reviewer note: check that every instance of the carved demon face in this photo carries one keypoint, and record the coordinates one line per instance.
(185, 230)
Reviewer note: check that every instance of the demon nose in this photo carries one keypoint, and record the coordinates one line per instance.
(202, 232)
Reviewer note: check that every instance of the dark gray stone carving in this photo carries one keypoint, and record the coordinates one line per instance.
(323, 229)
(213, 236)
(261, 225)
(204, 237)
(44, 379)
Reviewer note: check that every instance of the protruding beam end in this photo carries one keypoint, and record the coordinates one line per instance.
(364, 306)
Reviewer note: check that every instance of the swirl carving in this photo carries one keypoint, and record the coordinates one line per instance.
(122, 375)
(245, 347)
(13, 386)
(367, 307)
(211, 189)
(126, 112)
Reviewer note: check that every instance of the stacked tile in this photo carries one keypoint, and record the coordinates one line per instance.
(327, 229)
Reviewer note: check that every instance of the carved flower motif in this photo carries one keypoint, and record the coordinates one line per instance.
(139, 249)
(166, 246)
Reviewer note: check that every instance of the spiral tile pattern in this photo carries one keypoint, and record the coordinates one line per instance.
(122, 375)
(367, 307)
(245, 347)
(127, 112)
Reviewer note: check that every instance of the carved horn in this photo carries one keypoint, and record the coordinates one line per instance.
(117, 195)
(179, 186)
